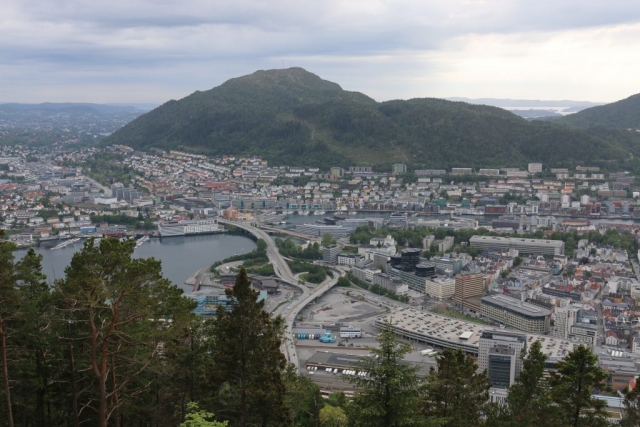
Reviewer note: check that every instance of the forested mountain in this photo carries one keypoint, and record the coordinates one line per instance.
(291, 116)
(624, 114)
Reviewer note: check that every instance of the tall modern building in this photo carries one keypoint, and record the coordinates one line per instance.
(330, 254)
(565, 318)
(468, 286)
(499, 353)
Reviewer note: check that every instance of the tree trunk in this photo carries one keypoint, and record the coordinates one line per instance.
(74, 396)
(5, 374)
(114, 396)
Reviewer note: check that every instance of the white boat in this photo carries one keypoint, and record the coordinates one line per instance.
(320, 212)
(65, 243)
(142, 241)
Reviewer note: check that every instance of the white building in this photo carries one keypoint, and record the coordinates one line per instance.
(440, 288)
(499, 353)
(535, 167)
(565, 318)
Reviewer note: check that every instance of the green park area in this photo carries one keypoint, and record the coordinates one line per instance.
(445, 311)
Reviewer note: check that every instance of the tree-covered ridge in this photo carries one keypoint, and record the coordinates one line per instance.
(624, 114)
(291, 116)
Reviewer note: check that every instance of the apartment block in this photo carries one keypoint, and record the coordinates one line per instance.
(535, 167)
(565, 318)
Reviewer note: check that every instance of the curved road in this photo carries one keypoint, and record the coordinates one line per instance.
(282, 270)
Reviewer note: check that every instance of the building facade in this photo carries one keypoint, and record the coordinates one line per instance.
(330, 254)
(468, 286)
(440, 288)
(516, 314)
(499, 353)
(523, 246)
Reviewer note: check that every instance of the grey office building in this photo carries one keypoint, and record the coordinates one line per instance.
(499, 353)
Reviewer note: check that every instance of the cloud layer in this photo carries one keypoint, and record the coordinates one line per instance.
(155, 50)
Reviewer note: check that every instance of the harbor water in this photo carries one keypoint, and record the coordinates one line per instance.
(181, 256)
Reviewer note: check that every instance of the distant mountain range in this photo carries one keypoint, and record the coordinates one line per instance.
(291, 116)
(510, 103)
(532, 108)
(71, 108)
(624, 114)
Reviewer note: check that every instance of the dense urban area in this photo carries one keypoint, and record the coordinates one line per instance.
(469, 265)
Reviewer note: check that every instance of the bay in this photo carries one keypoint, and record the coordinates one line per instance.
(181, 256)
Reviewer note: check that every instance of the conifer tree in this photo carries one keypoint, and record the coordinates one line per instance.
(36, 349)
(303, 399)
(456, 394)
(631, 407)
(528, 403)
(389, 394)
(8, 314)
(120, 311)
(247, 379)
(573, 383)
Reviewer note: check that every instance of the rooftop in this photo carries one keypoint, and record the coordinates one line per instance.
(517, 306)
(516, 240)
(448, 330)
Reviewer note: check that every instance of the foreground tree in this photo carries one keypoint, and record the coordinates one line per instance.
(303, 398)
(332, 416)
(456, 394)
(528, 403)
(198, 418)
(120, 311)
(632, 407)
(36, 349)
(577, 376)
(389, 395)
(8, 314)
(248, 377)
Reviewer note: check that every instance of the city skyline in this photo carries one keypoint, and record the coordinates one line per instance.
(149, 53)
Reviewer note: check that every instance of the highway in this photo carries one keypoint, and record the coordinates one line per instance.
(282, 270)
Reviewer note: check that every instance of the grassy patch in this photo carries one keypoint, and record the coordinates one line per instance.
(458, 315)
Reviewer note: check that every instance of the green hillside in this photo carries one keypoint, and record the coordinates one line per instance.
(291, 116)
(624, 114)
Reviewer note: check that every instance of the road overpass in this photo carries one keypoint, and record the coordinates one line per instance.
(282, 270)
(290, 233)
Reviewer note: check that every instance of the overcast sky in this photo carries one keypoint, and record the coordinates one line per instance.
(156, 50)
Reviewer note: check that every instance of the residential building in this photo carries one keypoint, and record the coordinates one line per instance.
(565, 318)
(535, 167)
(399, 168)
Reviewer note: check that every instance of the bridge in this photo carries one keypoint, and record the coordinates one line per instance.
(291, 233)
(282, 270)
